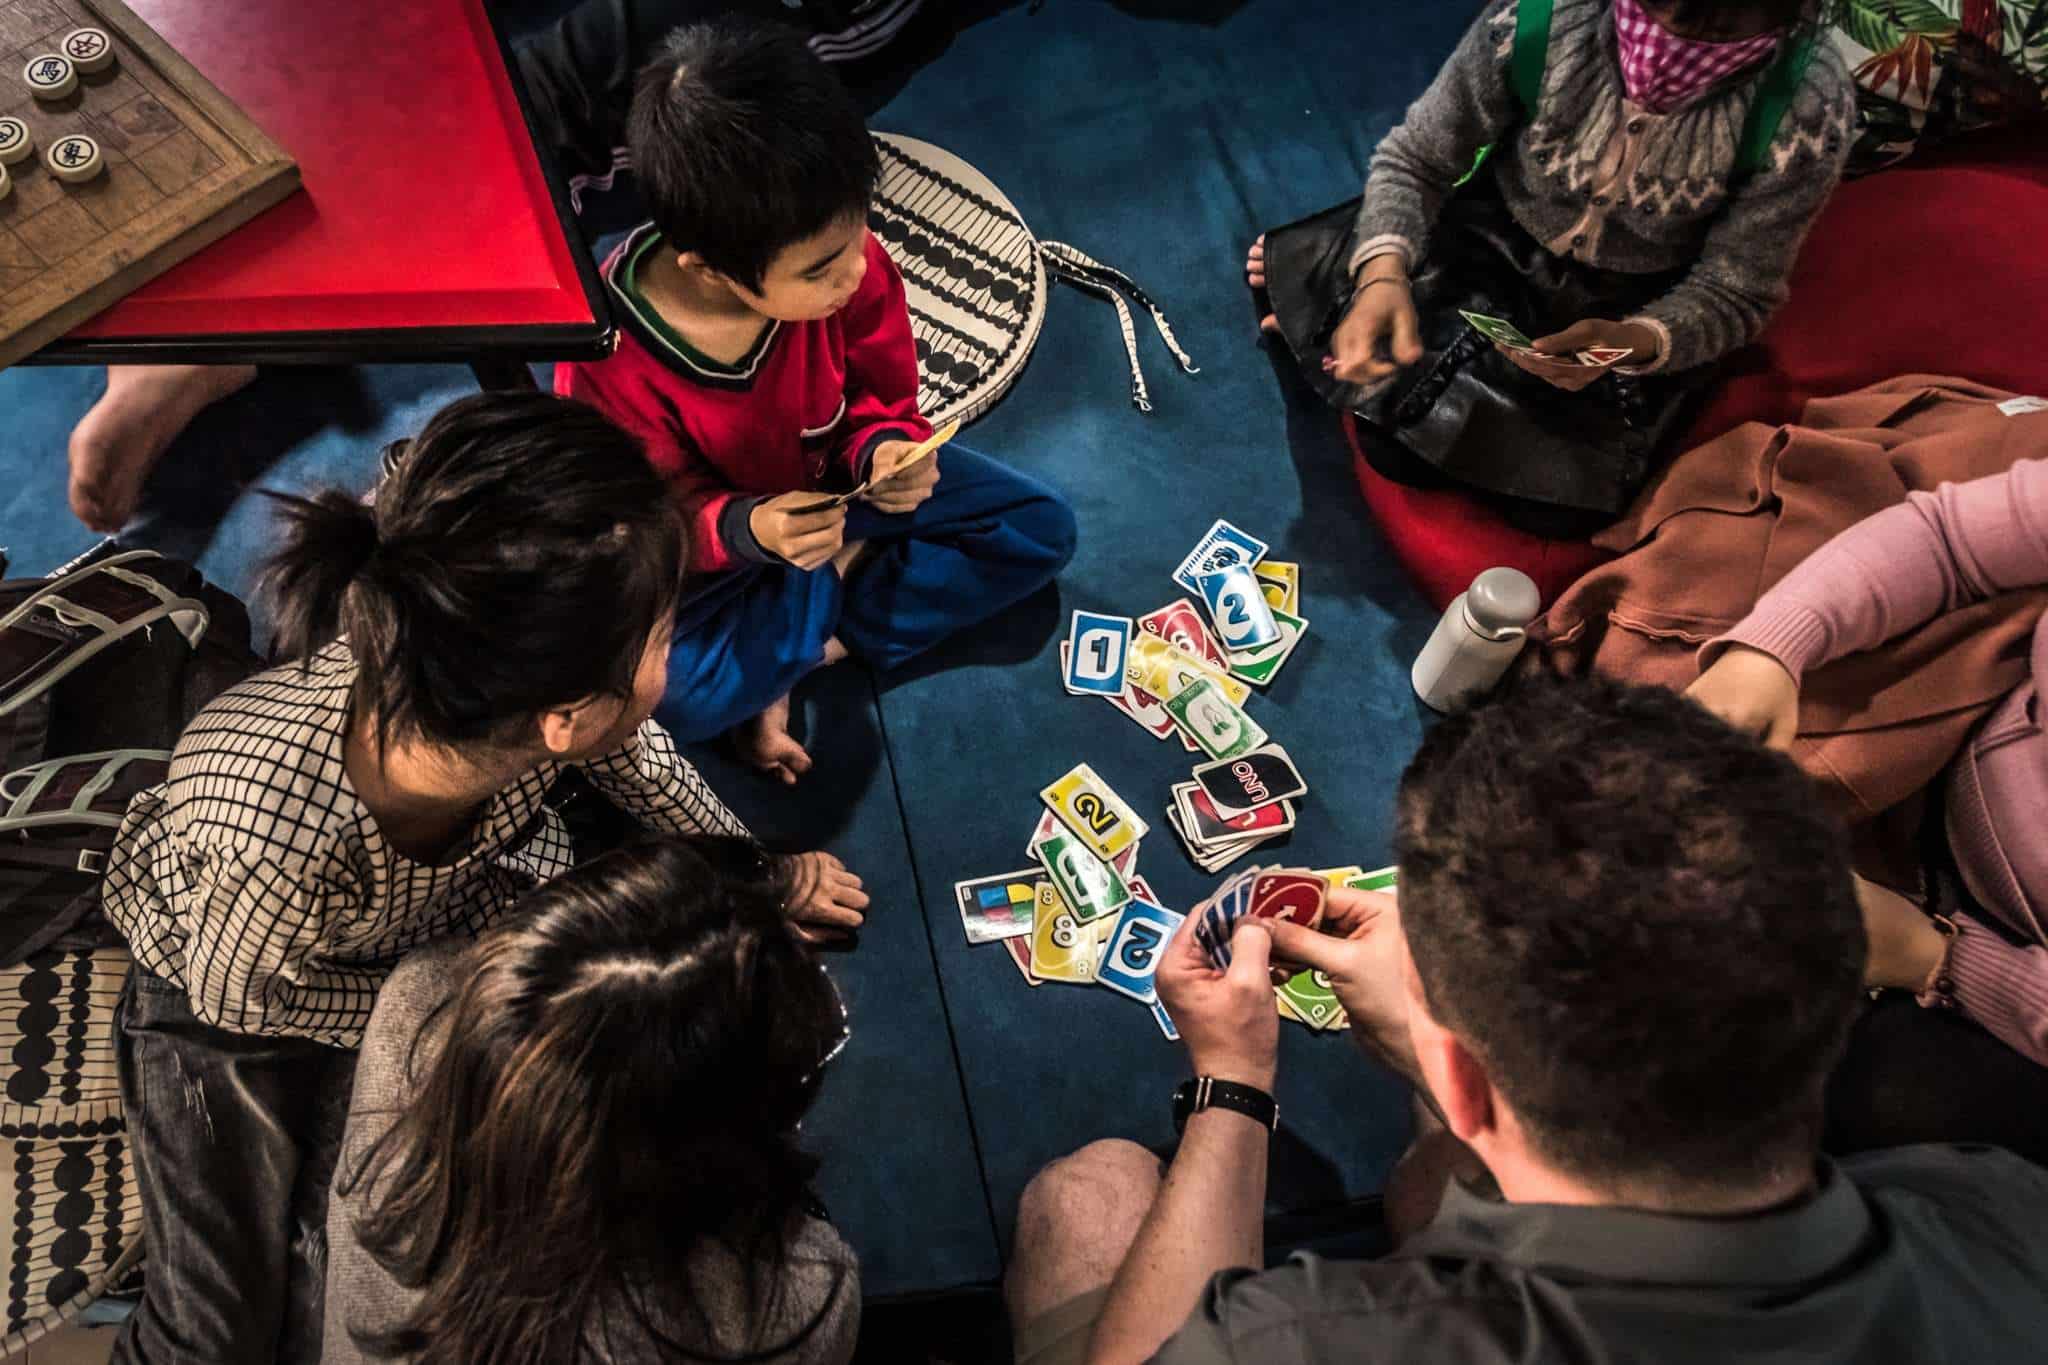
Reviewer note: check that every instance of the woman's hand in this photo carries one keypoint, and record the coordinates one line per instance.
(825, 900)
(1906, 946)
(1566, 373)
(1752, 692)
(1382, 309)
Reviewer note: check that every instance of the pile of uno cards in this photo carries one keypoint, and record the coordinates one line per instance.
(1505, 333)
(1186, 671)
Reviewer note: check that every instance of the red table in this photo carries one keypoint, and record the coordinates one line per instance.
(428, 228)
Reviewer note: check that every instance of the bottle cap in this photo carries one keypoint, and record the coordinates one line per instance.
(1502, 601)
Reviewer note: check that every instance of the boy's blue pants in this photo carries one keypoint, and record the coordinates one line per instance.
(987, 537)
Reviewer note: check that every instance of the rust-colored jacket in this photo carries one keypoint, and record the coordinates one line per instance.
(1730, 518)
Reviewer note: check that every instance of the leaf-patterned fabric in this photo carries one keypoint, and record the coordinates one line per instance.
(1928, 69)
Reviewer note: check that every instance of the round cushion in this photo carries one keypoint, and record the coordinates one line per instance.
(972, 270)
(75, 1223)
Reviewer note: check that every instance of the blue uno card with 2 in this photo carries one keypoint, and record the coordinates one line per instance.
(1099, 648)
(1238, 606)
(1132, 954)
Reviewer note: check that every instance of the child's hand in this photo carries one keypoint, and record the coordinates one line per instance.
(825, 899)
(1752, 692)
(1568, 374)
(808, 540)
(901, 492)
(1382, 309)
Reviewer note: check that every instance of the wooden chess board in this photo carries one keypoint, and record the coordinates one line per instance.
(184, 166)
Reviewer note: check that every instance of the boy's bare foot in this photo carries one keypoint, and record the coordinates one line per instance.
(1255, 276)
(765, 741)
(117, 443)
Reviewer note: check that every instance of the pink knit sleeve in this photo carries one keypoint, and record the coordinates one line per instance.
(2002, 986)
(1901, 568)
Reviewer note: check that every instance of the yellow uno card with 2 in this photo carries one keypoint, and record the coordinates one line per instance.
(1061, 949)
(1280, 581)
(1098, 816)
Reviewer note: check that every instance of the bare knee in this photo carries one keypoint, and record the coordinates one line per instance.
(1075, 1222)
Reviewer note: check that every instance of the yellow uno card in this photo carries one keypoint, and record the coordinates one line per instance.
(1098, 816)
(1280, 581)
(1164, 669)
(1338, 876)
(926, 447)
(1061, 948)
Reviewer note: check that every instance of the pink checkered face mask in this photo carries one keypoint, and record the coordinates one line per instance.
(1662, 71)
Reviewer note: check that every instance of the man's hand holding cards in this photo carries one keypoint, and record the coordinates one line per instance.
(1359, 949)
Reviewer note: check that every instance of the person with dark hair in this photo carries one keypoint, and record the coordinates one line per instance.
(499, 618)
(1625, 956)
(574, 1142)
(766, 359)
(1628, 181)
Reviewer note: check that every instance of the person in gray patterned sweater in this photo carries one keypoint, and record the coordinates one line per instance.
(1619, 212)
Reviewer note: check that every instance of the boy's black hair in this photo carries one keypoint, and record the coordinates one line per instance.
(744, 143)
(1641, 921)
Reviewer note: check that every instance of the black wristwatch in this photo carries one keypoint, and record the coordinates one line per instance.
(1206, 1092)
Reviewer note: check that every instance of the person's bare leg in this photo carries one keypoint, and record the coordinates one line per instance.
(765, 740)
(1075, 1224)
(1255, 276)
(117, 443)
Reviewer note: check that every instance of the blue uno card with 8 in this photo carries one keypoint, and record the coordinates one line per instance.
(1100, 646)
(1132, 954)
(1243, 617)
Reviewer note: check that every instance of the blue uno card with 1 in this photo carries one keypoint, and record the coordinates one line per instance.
(1132, 954)
(1100, 648)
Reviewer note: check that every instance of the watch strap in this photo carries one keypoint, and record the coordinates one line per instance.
(1206, 1092)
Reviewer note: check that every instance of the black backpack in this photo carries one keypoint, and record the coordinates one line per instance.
(102, 665)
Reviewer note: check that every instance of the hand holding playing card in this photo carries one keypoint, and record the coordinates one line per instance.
(807, 539)
(1225, 1017)
(1568, 371)
(1361, 950)
(897, 489)
(825, 899)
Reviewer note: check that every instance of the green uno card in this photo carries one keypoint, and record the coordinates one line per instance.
(1309, 995)
(1211, 721)
(1259, 665)
(1090, 887)
(1382, 880)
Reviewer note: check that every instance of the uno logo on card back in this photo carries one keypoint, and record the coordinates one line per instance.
(1248, 778)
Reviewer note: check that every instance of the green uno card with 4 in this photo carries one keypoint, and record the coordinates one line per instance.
(1090, 887)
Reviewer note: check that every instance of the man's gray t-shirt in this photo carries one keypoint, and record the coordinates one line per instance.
(1922, 1253)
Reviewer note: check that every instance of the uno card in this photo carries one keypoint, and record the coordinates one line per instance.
(923, 448)
(1250, 780)
(1280, 581)
(1496, 329)
(1381, 880)
(1603, 355)
(1296, 897)
(1062, 949)
(1135, 702)
(1048, 824)
(1210, 857)
(1179, 623)
(1243, 618)
(1223, 546)
(1226, 907)
(1259, 664)
(1090, 887)
(1134, 948)
(1204, 824)
(1102, 819)
(1207, 716)
(1309, 995)
(1099, 654)
(1339, 877)
(997, 907)
(1163, 668)
(1165, 1022)
(1019, 947)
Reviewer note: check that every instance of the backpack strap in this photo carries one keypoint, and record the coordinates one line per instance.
(1531, 50)
(1773, 97)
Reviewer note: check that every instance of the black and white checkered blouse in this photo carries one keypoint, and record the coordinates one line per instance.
(255, 878)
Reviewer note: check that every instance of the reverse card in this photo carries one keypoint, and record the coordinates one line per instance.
(1248, 781)
(997, 907)
(1221, 547)
(1259, 664)
(1296, 897)
(1180, 623)
(1162, 668)
(1090, 887)
(1134, 949)
(1098, 655)
(1281, 582)
(1102, 819)
(1243, 618)
(1209, 719)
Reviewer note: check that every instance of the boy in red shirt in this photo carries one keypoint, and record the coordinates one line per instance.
(766, 359)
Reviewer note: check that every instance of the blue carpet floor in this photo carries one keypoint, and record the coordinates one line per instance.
(1158, 137)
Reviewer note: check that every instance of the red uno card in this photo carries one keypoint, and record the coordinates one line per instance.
(1180, 622)
(1210, 826)
(1293, 896)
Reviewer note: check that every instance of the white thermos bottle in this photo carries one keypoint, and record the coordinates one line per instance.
(1479, 636)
